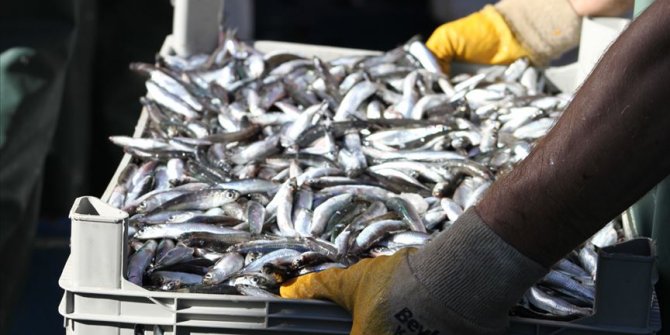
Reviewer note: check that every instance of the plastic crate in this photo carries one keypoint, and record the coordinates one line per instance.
(99, 301)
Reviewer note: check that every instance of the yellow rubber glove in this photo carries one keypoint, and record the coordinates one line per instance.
(483, 37)
(461, 283)
(361, 289)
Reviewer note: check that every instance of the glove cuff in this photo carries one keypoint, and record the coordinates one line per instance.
(546, 28)
(464, 281)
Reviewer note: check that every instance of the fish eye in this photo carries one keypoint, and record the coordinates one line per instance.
(208, 276)
(230, 195)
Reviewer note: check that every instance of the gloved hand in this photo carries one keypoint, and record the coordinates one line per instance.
(366, 289)
(482, 37)
(463, 282)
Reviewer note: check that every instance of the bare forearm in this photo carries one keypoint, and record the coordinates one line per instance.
(610, 147)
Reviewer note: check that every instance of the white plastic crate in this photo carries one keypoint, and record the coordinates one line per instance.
(98, 300)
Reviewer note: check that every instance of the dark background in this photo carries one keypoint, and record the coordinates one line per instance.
(82, 160)
(102, 99)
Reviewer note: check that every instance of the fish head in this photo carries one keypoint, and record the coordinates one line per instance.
(231, 195)
(251, 256)
(212, 278)
(142, 207)
(258, 281)
(170, 286)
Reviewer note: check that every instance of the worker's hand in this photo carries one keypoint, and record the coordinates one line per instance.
(483, 37)
(372, 291)
(463, 282)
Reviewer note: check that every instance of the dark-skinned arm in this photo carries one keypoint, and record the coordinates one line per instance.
(609, 148)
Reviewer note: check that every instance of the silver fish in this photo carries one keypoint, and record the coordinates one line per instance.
(565, 284)
(324, 211)
(375, 231)
(354, 98)
(204, 199)
(255, 291)
(139, 261)
(171, 280)
(174, 230)
(255, 214)
(554, 305)
(408, 213)
(229, 264)
(589, 259)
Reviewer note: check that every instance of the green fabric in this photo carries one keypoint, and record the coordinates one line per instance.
(640, 6)
(35, 50)
(14, 87)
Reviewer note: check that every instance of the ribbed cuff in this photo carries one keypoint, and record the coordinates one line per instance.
(546, 28)
(469, 277)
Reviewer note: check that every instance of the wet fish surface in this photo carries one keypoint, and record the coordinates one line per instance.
(254, 169)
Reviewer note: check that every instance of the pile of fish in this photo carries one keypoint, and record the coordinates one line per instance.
(255, 168)
(568, 290)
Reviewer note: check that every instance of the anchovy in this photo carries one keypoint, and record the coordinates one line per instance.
(320, 267)
(251, 185)
(141, 187)
(257, 151)
(409, 238)
(407, 212)
(424, 56)
(229, 264)
(214, 241)
(301, 123)
(589, 259)
(354, 97)
(452, 209)
(173, 256)
(206, 218)
(266, 246)
(323, 212)
(204, 199)
(370, 193)
(139, 262)
(255, 214)
(425, 170)
(255, 291)
(554, 305)
(285, 211)
(118, 196)
(605, 237)
(302, 219)
(164, 246)
(281, 256)
(565, 284)
(171, 280)
(375, 231)
(151, 200)
(175, 230)
(170, 100)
